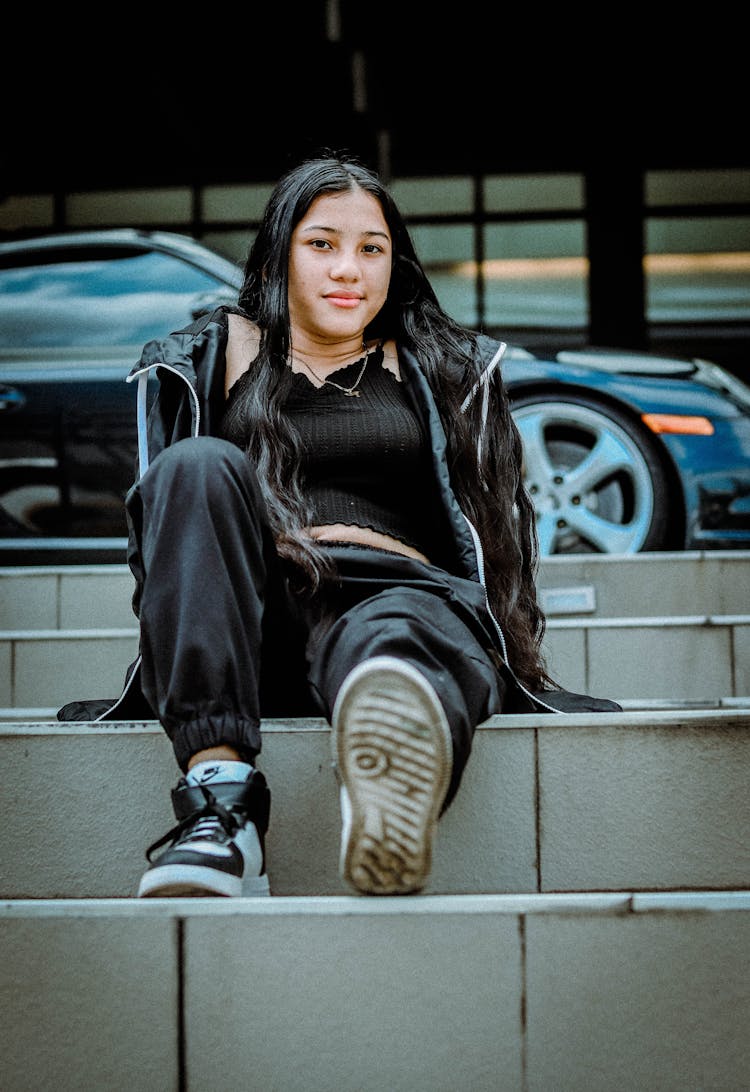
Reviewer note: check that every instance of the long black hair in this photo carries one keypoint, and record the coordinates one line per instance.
(490, 493)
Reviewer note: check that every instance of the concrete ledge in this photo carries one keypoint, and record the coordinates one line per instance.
(686, 658)
(601, 585)
(635, 633)
(541, 992)
(48, 668)
(11, 714)
(695, 582)
(66, 597)
(332, 906)
(653, 801)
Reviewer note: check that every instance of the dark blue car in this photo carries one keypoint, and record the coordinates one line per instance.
(624, 452)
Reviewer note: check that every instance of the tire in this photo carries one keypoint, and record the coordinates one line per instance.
(594, 476)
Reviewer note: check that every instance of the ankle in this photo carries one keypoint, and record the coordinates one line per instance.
(221, 753)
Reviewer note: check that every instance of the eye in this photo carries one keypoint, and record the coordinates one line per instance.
(320, 244)
(372, 248)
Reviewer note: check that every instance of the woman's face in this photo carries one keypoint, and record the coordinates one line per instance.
(339, 266)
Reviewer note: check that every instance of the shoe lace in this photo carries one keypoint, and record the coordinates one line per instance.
(206, 823)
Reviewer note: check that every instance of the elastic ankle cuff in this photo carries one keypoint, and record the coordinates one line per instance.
(213, 730)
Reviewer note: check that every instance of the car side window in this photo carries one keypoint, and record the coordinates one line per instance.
(112, 296)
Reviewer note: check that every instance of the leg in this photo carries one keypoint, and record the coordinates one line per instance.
(392, 753)
(212, 598)
(210, 595)
(427, 631)
(409, 680)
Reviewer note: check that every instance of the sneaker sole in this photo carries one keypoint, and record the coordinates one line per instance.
(193, 881)
(393, 755)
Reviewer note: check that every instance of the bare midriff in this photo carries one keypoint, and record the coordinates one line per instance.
(363, 536)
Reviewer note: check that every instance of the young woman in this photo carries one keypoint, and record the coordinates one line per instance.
(330, 517)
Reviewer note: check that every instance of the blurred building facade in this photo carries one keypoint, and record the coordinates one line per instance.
(559, 196)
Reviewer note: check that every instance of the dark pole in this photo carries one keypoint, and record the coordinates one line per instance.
(617, 293)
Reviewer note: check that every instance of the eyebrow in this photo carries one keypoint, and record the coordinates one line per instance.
(335, 231)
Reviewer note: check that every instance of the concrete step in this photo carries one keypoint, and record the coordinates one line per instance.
(66, 597)
(596, 585)
(591, 802)
(644, 629)
(689, 659)
(524, 993)
(589, 897)
(649, 584)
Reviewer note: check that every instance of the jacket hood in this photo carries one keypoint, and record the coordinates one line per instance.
(189, 365)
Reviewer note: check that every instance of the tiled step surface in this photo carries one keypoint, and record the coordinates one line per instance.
(42, 670)
(649, 628)
(690, 659)
(686, 658)
(596, 585)
(589, 802)
(422, 994)
(584, 927)
(66, 597)
(651, 584)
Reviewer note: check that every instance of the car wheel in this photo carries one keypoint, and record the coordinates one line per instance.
(595, 478)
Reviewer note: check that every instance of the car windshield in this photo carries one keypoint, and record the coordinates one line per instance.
(116, 297)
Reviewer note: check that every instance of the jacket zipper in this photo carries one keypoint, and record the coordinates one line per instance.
(480, 567)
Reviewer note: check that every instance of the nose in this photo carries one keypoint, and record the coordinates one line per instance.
(346, 266)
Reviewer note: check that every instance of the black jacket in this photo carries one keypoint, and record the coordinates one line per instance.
(190, 366)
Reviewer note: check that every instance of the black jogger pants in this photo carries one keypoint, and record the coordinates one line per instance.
(225, 642)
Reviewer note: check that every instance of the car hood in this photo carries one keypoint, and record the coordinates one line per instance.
(620, 361)
(630, 362)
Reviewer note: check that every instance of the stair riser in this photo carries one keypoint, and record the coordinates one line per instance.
(66, 598)
(691, 661)
(633, 801)
(46, 671)
(75, 597)
(653, 584)
(364, 994)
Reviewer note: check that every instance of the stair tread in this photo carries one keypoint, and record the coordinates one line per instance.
(336, 905)
(735, 713)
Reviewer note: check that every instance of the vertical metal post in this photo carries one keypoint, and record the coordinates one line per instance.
(615, 237)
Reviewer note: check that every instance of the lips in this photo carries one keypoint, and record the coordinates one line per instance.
(344, 299)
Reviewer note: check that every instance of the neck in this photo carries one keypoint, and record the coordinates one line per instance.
(327, 357)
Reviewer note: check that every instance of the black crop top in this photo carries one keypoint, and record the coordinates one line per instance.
(366, 461)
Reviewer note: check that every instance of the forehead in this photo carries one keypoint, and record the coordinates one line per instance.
(355, 210)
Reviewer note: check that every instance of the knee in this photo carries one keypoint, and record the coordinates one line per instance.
(196, 454)
(199, 470)
(198, 462)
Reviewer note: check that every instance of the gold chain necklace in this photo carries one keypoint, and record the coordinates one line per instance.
(350, 392)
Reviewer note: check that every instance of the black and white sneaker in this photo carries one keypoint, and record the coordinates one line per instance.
(393, 756)
(217, 847)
